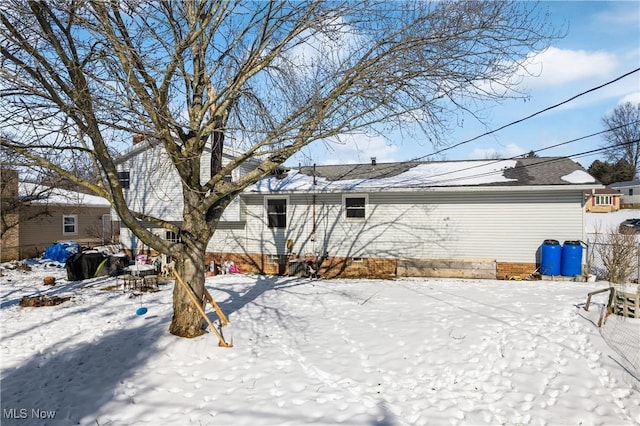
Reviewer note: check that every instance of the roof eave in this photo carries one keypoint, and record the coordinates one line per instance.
(474, 188)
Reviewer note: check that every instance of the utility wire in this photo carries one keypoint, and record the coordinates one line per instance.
(542, 161)
(581, 154)
(593, 89)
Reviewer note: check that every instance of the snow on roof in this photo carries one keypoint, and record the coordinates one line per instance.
(40, 194)
(420, 175)
(416, 175)
(578, 176)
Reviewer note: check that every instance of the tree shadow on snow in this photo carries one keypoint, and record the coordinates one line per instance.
(76, 381)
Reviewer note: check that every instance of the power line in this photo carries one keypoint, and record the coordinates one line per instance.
(593, 89)
(542, 161)
(585, 153)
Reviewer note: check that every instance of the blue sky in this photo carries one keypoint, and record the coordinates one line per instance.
(601, 44)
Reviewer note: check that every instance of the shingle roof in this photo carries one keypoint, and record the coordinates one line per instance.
(524, 172)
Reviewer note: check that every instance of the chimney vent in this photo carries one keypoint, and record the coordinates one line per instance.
(373, 161)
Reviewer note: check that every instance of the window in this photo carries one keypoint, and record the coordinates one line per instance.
(69, 224)
(603, 200)
(277, 212)
(125, 179)
(275, 258)
(172, 236)
(355, 207)
(630, 192)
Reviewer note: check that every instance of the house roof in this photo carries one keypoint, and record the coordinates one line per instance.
(40, 194)
(523, 172)
(606, 191)
(631, 183)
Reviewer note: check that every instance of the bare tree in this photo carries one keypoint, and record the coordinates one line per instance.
(81, 77)
(623, 139)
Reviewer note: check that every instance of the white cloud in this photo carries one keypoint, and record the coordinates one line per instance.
(355, 149)
(554, 66)
(508, 151)
(616, 15)
(313, 47)
(634, 98)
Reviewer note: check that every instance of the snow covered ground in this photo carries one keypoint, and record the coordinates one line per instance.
(352, 352)
(608, 222)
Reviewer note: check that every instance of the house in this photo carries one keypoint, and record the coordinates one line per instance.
(151, 186)
(36, 216)
(630, 193)
(603, 200)
(483, 219)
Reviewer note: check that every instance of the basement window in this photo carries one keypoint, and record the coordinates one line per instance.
(275, 258)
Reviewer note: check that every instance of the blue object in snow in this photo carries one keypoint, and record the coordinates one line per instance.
(60, 252)
(571, 258)
(141, 311)
(550, 258)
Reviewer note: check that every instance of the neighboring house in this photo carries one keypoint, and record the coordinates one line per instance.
(629, 192)
(604, 200)
(461, 218)
(37, 216)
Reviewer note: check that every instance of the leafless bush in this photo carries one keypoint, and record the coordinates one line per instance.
(618, 255)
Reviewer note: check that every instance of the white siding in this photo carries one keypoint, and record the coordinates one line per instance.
(503, 226)
(155, 187)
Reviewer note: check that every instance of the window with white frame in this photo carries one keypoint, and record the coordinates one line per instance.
(125, 179)
(277, 212)
(603, 200)
(172, 236)
(355, 207)
(69, 224)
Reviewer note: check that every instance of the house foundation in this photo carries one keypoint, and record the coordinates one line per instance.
(354, 267)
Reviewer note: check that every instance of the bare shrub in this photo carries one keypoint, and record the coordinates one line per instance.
(618, 253)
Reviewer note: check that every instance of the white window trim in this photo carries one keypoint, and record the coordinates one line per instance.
(173, 240)
(75, 224)
(344, 207)
(604, 200)
(266, 211)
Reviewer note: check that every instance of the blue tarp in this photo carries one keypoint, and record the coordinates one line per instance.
(60, 252)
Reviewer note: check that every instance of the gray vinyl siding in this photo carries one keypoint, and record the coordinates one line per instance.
(503, 226)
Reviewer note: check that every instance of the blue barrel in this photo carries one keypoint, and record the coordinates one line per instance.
(550, 257)
(571, 258)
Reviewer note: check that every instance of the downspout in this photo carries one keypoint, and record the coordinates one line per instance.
(313, 207)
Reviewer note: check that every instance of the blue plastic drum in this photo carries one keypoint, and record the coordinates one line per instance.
(571, 259)
(550, 257)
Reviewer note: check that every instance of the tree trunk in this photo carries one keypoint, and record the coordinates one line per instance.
(186, 321)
